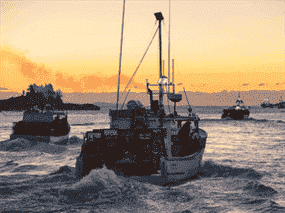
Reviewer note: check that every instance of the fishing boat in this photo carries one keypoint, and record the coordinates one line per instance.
(266, 104)
(236, 112)
(281, 104)
(47, 126)
(145, 142)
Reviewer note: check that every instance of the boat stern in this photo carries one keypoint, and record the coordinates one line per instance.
(180, 168)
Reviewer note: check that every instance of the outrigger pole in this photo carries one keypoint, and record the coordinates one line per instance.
(118, 95)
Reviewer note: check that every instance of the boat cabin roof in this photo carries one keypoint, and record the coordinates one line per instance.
(46, 116)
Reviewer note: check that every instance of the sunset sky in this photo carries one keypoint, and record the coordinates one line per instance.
(75, 45)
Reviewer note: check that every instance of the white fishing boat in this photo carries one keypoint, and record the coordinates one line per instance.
(46, 126)
(236, 112)
(147, 143)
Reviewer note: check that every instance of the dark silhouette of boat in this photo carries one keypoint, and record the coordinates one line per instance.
(47, 126)
(236, 112)
(266, 104)
(147, 142)
(281, 104)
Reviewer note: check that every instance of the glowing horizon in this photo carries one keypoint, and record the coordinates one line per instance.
(234, 46)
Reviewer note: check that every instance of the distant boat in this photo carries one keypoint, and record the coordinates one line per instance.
(236, 112)
(47, 126)
(266, 104)
(281, 104)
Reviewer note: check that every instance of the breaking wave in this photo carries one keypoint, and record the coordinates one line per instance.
(21, 144)
(211, 169)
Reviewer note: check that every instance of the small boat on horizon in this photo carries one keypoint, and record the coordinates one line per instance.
(48, 126)
(236, 112)
(281, 104)
(147, 143)
(266, 104)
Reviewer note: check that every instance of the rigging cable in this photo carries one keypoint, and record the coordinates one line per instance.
(140, 61)
(187, 98)
(147, 43)
(125, 99)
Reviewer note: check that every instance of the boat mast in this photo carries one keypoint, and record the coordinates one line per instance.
(118, 95)
(163, 64)
(173, 75)
(169, 51)
(159, 17)
(173, 84)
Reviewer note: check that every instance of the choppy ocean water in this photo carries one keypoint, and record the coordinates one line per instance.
(243, 169)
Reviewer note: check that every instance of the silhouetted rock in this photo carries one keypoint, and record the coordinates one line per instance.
(42, 96)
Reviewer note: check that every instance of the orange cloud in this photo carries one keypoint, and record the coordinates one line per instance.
(17, 72)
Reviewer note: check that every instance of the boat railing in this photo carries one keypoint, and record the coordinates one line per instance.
(166, 85)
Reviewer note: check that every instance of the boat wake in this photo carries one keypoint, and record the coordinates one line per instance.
(61, 190)
(248, 119)
(101, 186)
(257, 189)
(227, 119)
(83, 124)
(92, 124)
(211, 169)
(21, 144)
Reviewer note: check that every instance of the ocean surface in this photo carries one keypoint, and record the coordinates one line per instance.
(243, 168)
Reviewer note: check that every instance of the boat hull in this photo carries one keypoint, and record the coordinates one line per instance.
(180, 168)
(172, 168)
(63, 139)
(235, 114)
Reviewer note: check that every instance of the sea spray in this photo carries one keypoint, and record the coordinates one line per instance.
(100, 185)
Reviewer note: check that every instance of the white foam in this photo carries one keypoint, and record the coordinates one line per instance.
(99, 182)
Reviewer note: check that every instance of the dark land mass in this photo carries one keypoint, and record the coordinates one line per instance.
(23, 103)
(42, 97)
